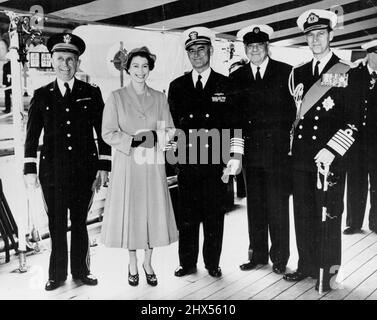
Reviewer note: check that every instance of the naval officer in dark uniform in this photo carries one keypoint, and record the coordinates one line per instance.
(199, 105)
(324, 130)
(362, 160)
(268, 111)
(71, 165)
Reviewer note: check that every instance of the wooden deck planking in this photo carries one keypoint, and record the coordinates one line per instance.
(246, 278)
(353, 280)
(256, 287)
(359, 270)
(364, 289)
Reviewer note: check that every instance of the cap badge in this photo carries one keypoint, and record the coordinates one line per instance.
(312, 18)
(256, 30)
(193, 35)
(67, 38)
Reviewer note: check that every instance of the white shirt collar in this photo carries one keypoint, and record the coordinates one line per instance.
(322, 62)
(205, 75)
(62, 87)
(370, 70)
(262, 67)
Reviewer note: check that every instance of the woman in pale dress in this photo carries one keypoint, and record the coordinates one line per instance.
(138, 125)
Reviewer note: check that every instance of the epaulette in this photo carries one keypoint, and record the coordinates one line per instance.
(301, 64)
(94, 85)
(354, 64)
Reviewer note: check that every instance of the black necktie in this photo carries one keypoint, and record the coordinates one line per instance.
(257, 75)
(67, 91)
(199, 84)
(316, 70)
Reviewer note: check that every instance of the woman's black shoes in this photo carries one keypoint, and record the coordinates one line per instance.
(133, 279)
(151, 278)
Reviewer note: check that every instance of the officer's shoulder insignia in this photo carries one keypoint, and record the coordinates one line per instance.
(355, 64)
(300, 65)
(94, 85)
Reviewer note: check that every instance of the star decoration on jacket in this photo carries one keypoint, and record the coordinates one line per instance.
(328, 103)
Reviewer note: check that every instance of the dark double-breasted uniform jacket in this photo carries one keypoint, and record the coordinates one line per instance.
(332, 124)
(69, 149)
(69, 161)
(202, 192)
(362, 158)
(7, 81)
(267, 113)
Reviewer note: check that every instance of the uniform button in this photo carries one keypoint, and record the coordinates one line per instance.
(68, 122)
(249, 121)
(300, 126)
(191, 116)
(69, 148)
(365, 116)
(316, 117)
(315, 127)
(302, 118)
(207, 115)
(47, 108)
(85, 107)
(190, 131)
(299, 136)
(364, 123)
(207, 145)
(67, 110)
(190, 144)
(68, 135)
(94, 154)
(318, 108)
(43, 157)
(366, 101)
(314, 137)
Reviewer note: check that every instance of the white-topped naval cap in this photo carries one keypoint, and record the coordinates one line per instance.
(314, 19)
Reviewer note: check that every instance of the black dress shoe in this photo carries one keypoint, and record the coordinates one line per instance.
(88, 279)
(182, 271)
(249, 265)
(278, 268)
(295, 276)
(351, 230)
(53, 284)
(215, 272)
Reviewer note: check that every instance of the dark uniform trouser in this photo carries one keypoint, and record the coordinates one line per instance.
(8, 100)
(201, 199)
(58, 200)
(359, 167)
(267, 210)
(307, 203)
